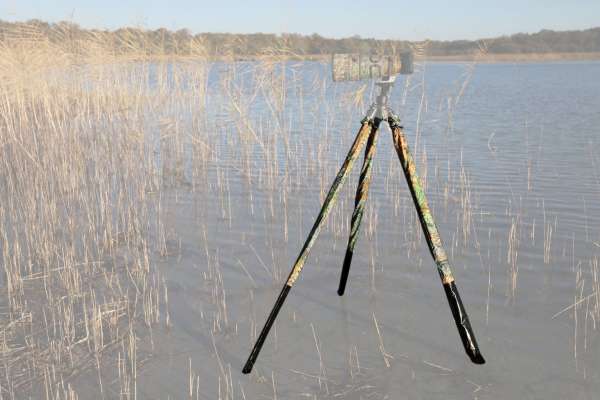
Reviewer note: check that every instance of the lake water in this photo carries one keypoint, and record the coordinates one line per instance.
(509, 155)
(152, 212)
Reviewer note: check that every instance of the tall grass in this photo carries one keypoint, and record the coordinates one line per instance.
(87, 142)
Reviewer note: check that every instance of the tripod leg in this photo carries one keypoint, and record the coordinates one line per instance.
(362, 193)
(359, 142)
(434, 242)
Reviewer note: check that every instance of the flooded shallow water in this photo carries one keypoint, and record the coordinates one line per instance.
(509, 155)
(146, 265)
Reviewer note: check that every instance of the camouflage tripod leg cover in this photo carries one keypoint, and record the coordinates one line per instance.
(434, 241)
(340, 178)
(362, 193)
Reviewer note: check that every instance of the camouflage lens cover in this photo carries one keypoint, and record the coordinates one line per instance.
(357, 67)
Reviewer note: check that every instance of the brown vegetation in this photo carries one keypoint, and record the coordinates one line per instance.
(133, 41)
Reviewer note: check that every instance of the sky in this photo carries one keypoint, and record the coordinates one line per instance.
(382, 19)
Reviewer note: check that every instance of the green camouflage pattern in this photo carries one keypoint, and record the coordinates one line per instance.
(357, 67)
(340, 178)
(362, 192)
(430, 230)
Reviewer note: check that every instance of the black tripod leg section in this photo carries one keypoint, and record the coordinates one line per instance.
(462, 324)
(265, 331)
(362, 193)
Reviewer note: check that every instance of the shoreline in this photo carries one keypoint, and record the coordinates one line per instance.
(326, 58)
(514, 57)
(477, 58)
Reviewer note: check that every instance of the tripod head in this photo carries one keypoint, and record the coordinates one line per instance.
(386, 84)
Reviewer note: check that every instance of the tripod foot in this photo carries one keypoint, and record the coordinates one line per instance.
(345, 272)
(265, 331)
(477, 358)
(462, 323)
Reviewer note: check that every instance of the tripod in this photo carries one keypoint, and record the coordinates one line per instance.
(377, 113)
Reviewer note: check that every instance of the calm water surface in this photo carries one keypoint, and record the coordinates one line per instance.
(509, 154)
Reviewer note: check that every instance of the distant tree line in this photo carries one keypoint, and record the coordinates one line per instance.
(183, 42)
